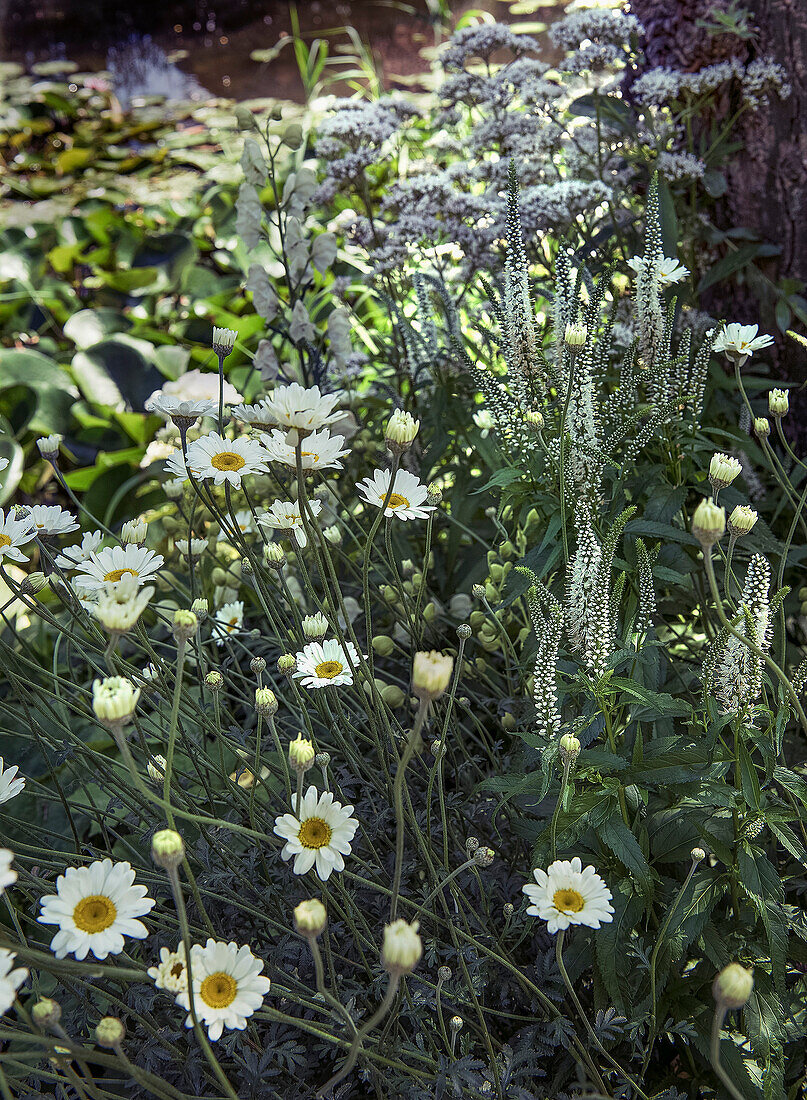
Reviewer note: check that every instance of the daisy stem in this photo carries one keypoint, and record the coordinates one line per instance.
(172, 730)
(654, 957)
(179, 902)
(221, 394)
(397, 795)
(581, 1013)
(282, 755)
(319, 971)
(355, 1047)
(299, 799)
(553, 827)
(720, 1015)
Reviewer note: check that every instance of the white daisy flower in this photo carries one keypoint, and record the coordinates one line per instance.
(668, 271)
(195, 385)
(14, 533)
(284, 515)
(95, 907)
(118, 606)
(72, 556)
(223, 340)
(218, 459)
(182, 412)
(10, 980)
(294, 406)
(406, 500)
(228, 619)
(244, 521)
(325, 664)
(227, 986)
(8, 876)
(320, 834)
(738, 342)
(113, 563)
(197, 547)
(10, 783)
(171, 973)
(322, 450)
(50, 519)
(566, 894)
(258, 415)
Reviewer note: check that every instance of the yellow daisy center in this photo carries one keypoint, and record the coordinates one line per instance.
(309, 454)
(397, 501)
(177, 970)
(227, 460)
(234, 621)
(94, 913)
(5, 540)
(218, 990)
(118, 574)
(568, 901)
(314, 833)
(328, 669)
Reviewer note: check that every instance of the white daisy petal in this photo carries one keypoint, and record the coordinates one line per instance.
(227, 986)
(567, 894)
(321, 836)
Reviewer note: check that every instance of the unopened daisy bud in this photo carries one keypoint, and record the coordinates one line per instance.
(741, 520)
(463, 632)
(200, 609)
(110, 1032)
(698, 855)
(575, 335)
(402, 947)
(733, 986)
(49, 446)
(778, 403)
(224, 341)
(383, 645)
(246, 567)
(569, 747)
(471, 845)
(114, 700)
(431, 674)
(257, 666)
(333, 535)
(265, 702)
(322, 760)
(534, 420)
(392, 695)
(723, 469)
(455, 1023)
(508, 909)
(155, 769)
(708, 523)
(444, 974)
(478, 591)
(301, 754)
(46, 1012)
(134, 531)
(185, 625)
(400, 431)
(437, 748)
(167, 849)
(274, 555)
(310, 918)
(483, 857)
(286, 664)
(762, 427)
(315, 626)
(434, 494)
(214, 680)
(35, 582)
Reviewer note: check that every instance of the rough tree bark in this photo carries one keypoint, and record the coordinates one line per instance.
(768, 178)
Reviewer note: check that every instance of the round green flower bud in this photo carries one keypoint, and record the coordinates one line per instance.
(200, 609)
(431, 674)
(708, 523)
(167, 849)
(185, 625)
(392, 695)
(46, 1012)
(455, 1023)
(310, 918)
(402, 947)
(575, 335)
(274, 555)
(698, 855)
(293, 136)
(286, 664)
(265, 701)
(301, 753)
(733, 986)
(741, 520)
(214, 680)
(723, 469)
(463, 632)
(383, 645)
(762, 427)
(569, 747)
(110, 1032)
(444, 974)
(778, 403)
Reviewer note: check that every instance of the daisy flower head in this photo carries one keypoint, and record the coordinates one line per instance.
(227, 986)
(228, 619)
(739, 342)
(95, 907)
(326, 664)
(223, 341)
(184, 412)
(10, 979)
(294, 406)
(244, 521)
(284, 515)
(407, 499)
(320, 834)
(72, 556)
(118, 606)
(171, 973)
(566, 894)
(196, 385)
(50, 519)
(112, 564)
(8, 876)
(322, 450)
(10, 783)
(257, 416)
(14, 533)
(667, 269)
(225, 460)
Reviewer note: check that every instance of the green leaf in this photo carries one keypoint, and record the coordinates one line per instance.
(90, 326)
(726, 267)
(117, 372)
(618, 837)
